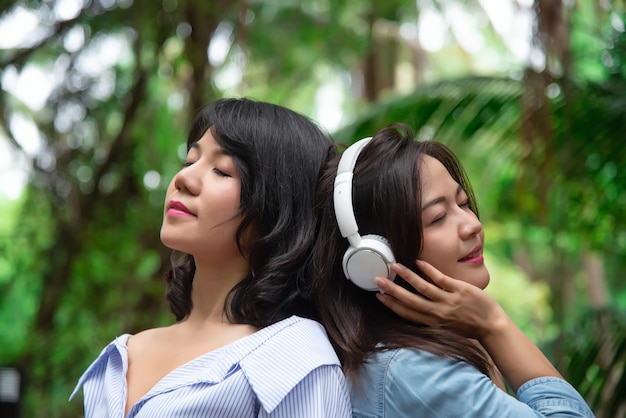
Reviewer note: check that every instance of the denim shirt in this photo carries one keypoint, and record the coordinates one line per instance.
(412, 383)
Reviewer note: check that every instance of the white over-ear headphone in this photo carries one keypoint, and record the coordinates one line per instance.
(368, 256)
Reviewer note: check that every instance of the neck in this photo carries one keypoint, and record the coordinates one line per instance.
(211, 284)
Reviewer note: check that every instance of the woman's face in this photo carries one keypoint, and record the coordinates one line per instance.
(452, 234)
(202, 204)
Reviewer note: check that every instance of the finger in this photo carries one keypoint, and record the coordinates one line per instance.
(424, 287)
(398, 292)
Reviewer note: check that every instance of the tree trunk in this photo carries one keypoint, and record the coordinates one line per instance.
(595, 284)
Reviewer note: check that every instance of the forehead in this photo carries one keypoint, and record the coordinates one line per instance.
(434, 177)
(207, 144)
(205, 141)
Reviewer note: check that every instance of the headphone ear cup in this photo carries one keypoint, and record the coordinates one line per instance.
(372, 258)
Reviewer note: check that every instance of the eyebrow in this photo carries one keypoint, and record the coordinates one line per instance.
(219, 152)
(440, 199)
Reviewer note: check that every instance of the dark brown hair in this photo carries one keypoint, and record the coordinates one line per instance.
(279, 155)
(387, 200)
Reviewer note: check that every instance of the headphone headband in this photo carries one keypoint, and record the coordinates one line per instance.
(343, 192)
(368, 256)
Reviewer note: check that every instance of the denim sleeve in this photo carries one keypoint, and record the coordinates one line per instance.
(415, 383)
(552, 396)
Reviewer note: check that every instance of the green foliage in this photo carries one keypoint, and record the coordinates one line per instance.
(452, 111)
(525, 301)
(20, 271)
(596, 359)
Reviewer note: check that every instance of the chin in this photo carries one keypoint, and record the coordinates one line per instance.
(171, 242)
(483, 284)
(483, 281)
(479, 278)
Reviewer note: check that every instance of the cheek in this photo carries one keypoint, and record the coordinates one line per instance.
(220, 203)
(233, 198)
(434, 250)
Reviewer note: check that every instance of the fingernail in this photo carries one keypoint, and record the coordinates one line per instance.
(397, 267)
(380, 282)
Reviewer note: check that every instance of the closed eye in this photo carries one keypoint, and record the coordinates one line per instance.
(438, 219)
(187, 163)
(221, 173)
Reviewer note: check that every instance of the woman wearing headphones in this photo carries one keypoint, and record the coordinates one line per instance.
(437, 347)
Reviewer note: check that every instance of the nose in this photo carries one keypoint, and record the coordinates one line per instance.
(470, 225)
(188, 180)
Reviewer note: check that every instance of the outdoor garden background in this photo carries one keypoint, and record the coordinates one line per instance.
(97, 95)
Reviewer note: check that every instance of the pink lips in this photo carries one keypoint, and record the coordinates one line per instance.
(474, 257)
(177, 209)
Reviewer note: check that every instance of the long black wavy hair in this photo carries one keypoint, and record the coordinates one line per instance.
(279, 155)
(386, 198)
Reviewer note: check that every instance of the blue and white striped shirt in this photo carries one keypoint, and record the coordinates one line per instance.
(288, 369)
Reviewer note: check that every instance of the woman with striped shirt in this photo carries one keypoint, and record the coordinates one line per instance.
(239, 215)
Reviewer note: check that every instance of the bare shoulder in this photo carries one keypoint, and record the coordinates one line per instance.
(148, 338)
(149, 359)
